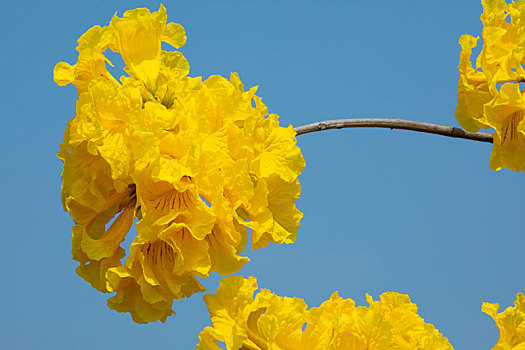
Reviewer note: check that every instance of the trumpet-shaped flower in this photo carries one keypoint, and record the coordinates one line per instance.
(194, 163)
(489, 96)
(511, 323)
(267, 321)
(505, 114)
(137, 36)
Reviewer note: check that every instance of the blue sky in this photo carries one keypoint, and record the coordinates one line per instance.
(383, 210)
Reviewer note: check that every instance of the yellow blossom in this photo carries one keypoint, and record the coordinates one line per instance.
(194, 163)
(473, 91)
(137, 37)
(505, 113)
(489, 96)
(91, 62)
(91, 198)
(511, 323)
(267, 321)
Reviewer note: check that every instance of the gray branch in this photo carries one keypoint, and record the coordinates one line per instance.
(449, 131)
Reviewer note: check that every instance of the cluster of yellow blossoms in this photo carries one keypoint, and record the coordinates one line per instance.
(490, 95)
(269, 321)
(195, 163)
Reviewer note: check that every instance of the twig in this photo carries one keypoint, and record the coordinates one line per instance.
(449, 131)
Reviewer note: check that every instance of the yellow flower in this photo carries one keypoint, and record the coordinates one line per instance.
(146, 285)
(473, 91)
(91, 62)
(268, 321)
(483, 101)
(90, 196)
(195, 163)
(505, 114)
(510, 322)
(272, 214)
(137, 37)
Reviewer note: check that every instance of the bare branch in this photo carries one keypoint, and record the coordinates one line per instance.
(449, 131)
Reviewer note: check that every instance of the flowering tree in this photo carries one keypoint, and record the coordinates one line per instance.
(196, 164)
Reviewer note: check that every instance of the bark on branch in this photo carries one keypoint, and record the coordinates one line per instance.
(449, 131)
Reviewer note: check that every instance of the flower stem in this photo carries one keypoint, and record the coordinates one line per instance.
(449, 131)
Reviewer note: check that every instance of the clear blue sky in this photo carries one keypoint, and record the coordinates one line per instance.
(383, 210)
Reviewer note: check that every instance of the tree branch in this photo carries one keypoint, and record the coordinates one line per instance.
(449, 131)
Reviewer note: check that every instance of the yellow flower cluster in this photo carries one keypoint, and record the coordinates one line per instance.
(269, 321)
(490, 95)
(510, 322)
(194, 163)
